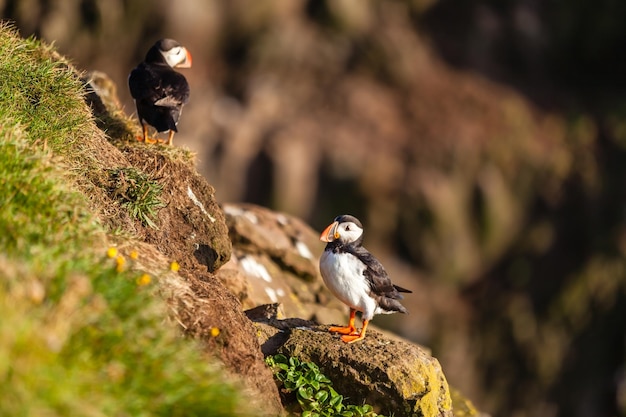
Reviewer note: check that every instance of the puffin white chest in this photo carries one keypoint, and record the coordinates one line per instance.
(343, 275)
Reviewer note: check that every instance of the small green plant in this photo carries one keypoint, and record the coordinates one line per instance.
(313, 390)
(138, 193)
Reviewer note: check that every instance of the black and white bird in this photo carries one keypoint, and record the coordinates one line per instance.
(158, 90)
(356, 277)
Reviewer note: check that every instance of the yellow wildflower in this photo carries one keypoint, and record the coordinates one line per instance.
(120, 261)
(174, 266)
(215, 331)
(144, 280)
(134, 255)
(112, 252)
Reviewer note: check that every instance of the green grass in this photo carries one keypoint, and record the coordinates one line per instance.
(80, 334)
(313, 391)
(138, 193)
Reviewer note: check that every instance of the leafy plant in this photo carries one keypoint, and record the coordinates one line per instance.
(138, 193)
(313, 390)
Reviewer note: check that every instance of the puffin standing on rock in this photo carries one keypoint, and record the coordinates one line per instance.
(158, 90)
(356, 277)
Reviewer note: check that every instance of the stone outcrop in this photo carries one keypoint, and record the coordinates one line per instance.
(274, 260)
(394, 376)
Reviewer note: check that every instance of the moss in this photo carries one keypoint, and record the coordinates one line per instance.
(462, 406)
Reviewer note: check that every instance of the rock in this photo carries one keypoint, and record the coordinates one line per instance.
(395, 377)
(275, 260)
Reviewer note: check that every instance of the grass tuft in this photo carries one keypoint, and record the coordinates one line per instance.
(138, 193)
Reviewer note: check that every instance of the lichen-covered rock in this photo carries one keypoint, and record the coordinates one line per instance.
(394, 376)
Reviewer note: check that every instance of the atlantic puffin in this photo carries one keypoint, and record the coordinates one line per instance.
(158, 90)
(356, 277)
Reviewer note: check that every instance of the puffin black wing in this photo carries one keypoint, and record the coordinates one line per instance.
(159, 94)
(385, 292)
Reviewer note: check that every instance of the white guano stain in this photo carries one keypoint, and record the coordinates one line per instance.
(271, 294)
(252, 267)
(198, 203)
(303, 250)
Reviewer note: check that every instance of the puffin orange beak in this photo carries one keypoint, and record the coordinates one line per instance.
(330, 233)
(187, 61)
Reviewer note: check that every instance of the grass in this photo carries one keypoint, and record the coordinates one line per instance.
(82, 333)
(138, 193)
(313, 390)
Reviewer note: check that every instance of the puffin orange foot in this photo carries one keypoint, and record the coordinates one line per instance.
(343, 329)
(354, 337)
(351, 338)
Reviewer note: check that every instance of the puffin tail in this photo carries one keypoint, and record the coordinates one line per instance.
(391, 305)
(400, 289)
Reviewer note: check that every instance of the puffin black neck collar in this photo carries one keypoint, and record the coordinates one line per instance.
(338, 246)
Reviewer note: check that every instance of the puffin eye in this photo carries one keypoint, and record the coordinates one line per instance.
(347, 228)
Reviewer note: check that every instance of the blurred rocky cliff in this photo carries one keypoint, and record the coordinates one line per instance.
(482, 144)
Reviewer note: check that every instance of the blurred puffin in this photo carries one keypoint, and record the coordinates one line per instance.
(356, 277)
(158, 90)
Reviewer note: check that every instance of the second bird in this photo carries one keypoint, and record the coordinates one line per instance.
(158, 90)
(356, 277)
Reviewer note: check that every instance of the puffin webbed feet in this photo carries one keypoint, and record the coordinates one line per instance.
(145, 137)
(355, 337)
(351, 338)
(349, 332)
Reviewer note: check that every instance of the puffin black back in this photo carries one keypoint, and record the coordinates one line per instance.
(158, 90)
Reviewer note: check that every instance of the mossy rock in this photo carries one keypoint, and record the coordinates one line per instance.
(393, 376)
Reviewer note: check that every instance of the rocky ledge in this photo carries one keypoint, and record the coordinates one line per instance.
(394, 376)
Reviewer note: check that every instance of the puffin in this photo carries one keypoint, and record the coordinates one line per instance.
(159, 91)
(356, 277)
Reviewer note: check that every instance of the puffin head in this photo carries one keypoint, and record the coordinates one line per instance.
(170, 52)
(344, 229)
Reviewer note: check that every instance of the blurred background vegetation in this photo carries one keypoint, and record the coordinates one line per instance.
(482, 143)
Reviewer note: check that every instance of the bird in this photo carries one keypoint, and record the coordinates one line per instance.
(160, 92)
(356, 277)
